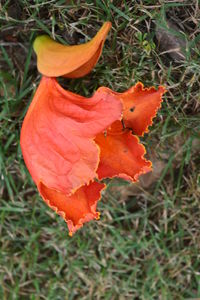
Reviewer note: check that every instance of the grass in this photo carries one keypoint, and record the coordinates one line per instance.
(144, 247)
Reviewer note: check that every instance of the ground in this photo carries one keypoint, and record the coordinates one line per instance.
(146, 244)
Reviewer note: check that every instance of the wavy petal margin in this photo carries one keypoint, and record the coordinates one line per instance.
(57, 136)
(140, 106)
(76, 209)
(55, 59)
(121, 154)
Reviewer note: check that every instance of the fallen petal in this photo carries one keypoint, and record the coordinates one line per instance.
(57, 136)
(140, 106)
(121, 154)
(55, 59)
(76, 209)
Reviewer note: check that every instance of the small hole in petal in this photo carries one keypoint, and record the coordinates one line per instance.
(132, 109)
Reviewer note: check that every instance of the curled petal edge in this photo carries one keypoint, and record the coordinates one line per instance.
(121, 155)
(86, 217)
(136, 113)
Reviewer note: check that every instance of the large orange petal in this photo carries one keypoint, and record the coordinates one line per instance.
(55, 59)
(121, 154)
(77, 208)
(57, 136)
(140, 106)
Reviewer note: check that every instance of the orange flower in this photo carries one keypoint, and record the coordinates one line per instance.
(68, 140)
(55, 59)
(57, 141)
(65, 146)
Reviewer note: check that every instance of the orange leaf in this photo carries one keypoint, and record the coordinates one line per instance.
(55, 59)
(77, 208)
(140, 106)
(121, 154)
(57, 136)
